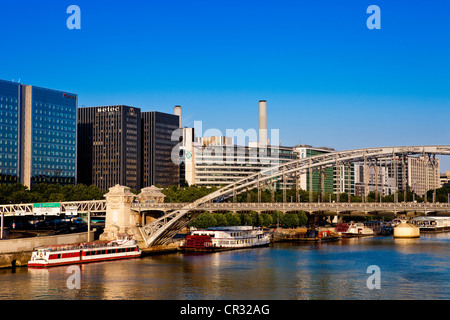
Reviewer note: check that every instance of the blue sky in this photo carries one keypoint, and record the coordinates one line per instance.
(328, 79)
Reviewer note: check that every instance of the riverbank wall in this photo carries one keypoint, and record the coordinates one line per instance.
(17, 252)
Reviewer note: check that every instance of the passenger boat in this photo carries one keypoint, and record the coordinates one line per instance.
(353, 229)
(225, 238)
(124, 247)
(432, 224)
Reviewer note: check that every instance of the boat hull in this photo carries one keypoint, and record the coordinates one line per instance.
(216, 249)
(80, 253)
(37, 264)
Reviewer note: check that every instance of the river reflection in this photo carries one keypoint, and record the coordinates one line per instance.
(410, 269)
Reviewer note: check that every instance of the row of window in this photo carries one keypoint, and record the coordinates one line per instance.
(55, 173)
(49, 146)
(8, 142)
(57, 115)
(54, 107)
(10, 121)
(110, 251)
(54, 154)
(8, 99)
(53, 127)
(8, 171)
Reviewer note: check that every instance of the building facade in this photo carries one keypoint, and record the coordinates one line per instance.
(216, 161)
(159, 141)
(423, 174)
(9, 132)
(122, 145)
(109, 146)
(322, 179)
(38, 135)
(416, 174)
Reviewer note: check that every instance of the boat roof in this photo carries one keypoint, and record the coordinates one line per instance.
(70, 246)
(430, 218)
(231, 228)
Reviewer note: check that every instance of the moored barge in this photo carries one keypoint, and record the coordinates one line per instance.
(225, 238)
(124, 247)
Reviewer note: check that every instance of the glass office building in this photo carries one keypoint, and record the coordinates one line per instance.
(157, 147)
(37, 135)
(53, 136)
(9, 131)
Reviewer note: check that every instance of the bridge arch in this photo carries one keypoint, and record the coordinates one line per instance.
(163, 229)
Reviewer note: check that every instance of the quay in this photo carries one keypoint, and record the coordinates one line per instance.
(17, 252)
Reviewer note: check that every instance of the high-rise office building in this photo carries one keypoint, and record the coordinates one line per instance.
(158, 144)
(109, 146)
(37, 134)
(122, 145)
(9, 132)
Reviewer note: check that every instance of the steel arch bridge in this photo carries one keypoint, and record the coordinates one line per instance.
(161, 230)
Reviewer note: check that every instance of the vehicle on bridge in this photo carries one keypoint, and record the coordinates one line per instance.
(225, 238)
(124, 247)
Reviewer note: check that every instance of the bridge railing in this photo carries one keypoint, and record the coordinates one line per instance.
(93, 206)
(315, 206)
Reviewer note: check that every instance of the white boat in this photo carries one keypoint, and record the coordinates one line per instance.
(124, 247)
(432, 224)
(225, 238)
(354, 229)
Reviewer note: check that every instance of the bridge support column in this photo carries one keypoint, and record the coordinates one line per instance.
(119, 217)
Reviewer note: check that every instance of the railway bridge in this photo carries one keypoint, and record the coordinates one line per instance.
(125, 212)
(161, 230)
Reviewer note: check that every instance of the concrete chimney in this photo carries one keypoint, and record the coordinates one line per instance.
(262, 123)
(177, 112)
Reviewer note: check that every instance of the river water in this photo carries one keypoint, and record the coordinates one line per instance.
(408, 269)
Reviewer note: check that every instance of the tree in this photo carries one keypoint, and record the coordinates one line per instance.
(265, 220)
(221, 221)
(303, 218)
(246, 219)
(204, 221)
(291, 220)
(233, 219)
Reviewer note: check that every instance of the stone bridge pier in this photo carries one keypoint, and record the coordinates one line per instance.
(120, 219)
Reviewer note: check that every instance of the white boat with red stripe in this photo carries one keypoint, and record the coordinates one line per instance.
(124, 247)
